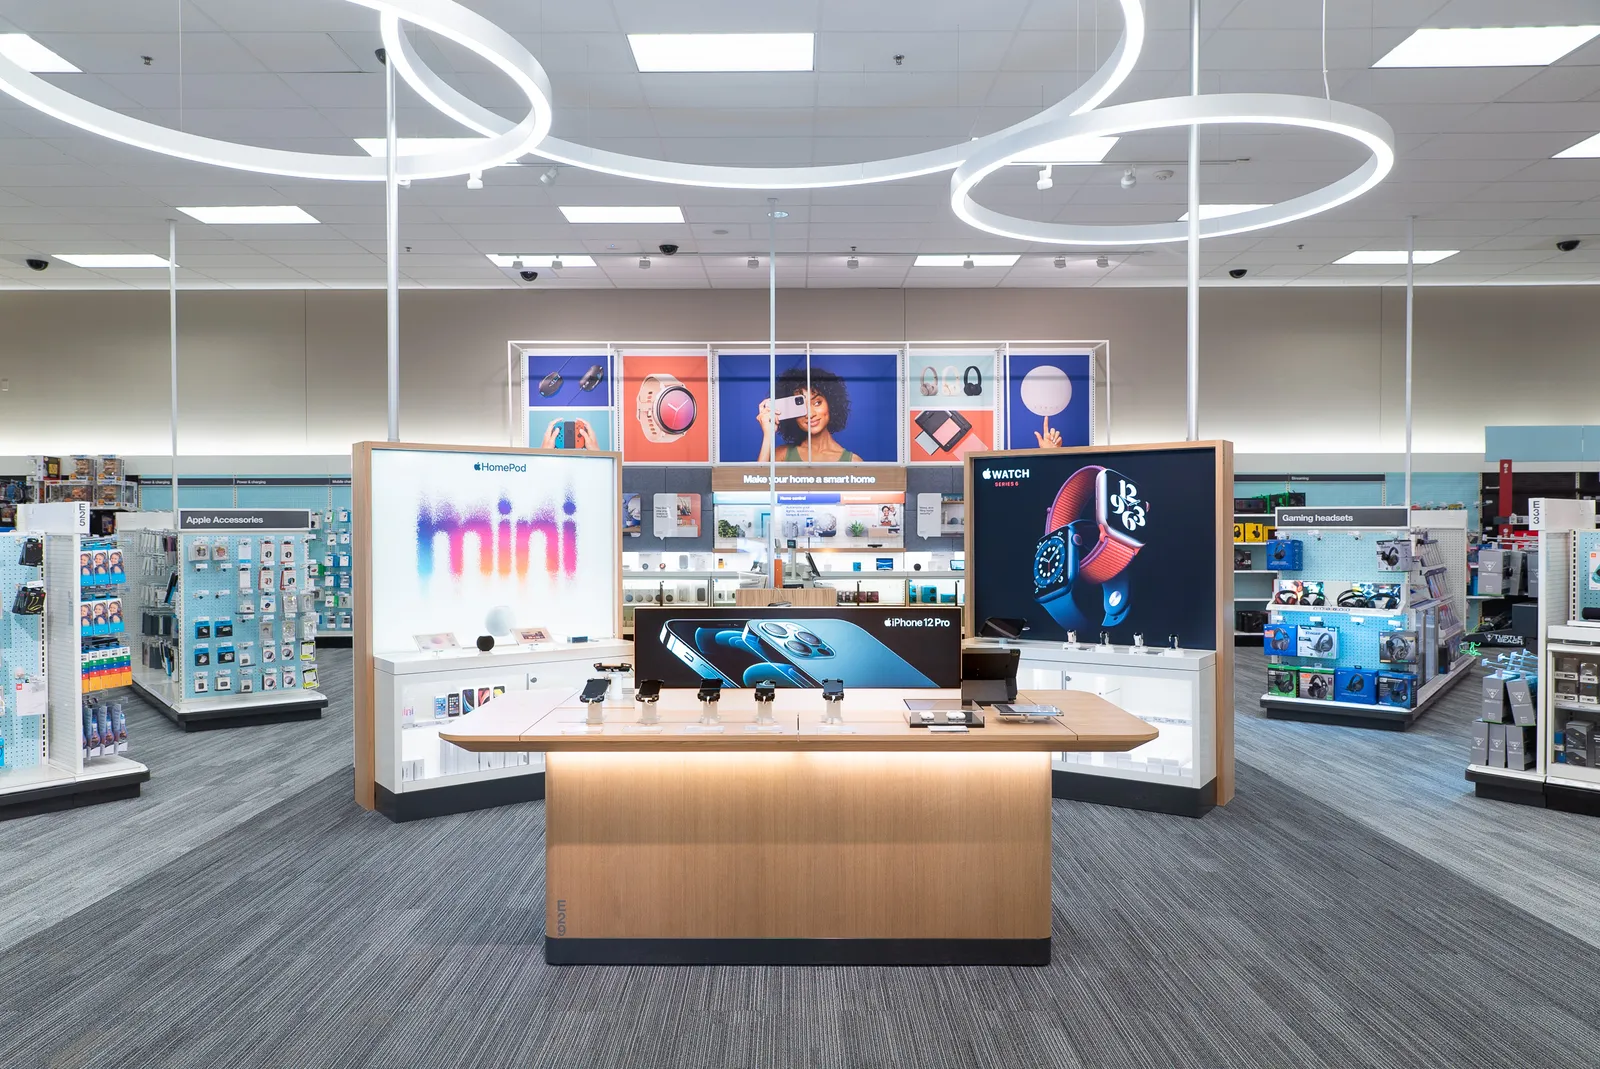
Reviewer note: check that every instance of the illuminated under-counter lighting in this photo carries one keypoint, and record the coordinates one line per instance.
(32, 56)
(251, 215)
(1390, 257)
(1487, 46)
(622, 213)
(720, 52)
(1217, 211)
(1008, 259)
(556, 261)
(1587, 149)
(110, 261)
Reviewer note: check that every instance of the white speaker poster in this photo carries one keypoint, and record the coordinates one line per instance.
(483, 543)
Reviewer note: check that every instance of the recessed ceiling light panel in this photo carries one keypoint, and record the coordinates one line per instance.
(1587, 149)
(110, 261)
(1391, 257)
(622, 213)
(1070, 150)
(500, 259)
(1487, 46)
(415, 146)
(713, 52)
(1217, 211)
(251, 215)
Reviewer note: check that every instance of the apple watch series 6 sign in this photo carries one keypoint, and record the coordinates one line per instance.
(1080, 565)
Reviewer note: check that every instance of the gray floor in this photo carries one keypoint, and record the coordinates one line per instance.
(1355, 906)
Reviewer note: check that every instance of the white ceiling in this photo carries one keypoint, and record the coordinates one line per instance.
(1474, 145)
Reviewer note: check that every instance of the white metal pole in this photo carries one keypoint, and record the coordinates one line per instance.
(1194, 231)
(172, 328)
(1411, 279)
(772, 383)
(392, 238)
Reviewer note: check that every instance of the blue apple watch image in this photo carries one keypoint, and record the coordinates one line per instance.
(1080, 566)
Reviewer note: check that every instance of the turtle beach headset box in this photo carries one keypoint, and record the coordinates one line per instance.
(1356, 685)
(1280, 640)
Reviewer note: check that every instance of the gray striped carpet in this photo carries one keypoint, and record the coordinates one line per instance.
(1283, 931)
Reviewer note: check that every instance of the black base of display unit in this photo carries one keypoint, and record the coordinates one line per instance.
(1506, 788)
(335, 642)
(56, 797)
(1132, 794)
(923, 952)
(1572, 799)
(1372, 717)
(237, 717)
(459, 798)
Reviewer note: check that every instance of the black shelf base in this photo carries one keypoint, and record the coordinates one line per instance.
(1371, 717)
(923, 952)
(459, 798)
(335, 642)
(247, 716)
(1507, 789)
(1572, 799)
(57, 797)
(1132, 794)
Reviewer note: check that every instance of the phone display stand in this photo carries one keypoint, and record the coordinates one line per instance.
(710, 720)
(764, 720)
(594, 715)
(649, 721)
(833, 718)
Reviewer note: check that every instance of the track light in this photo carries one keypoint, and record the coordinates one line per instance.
(854, 261)
(1045, 179)
(548, 178)
(644, 263)
(475, 180)
(753, 263)
(1130, 178)
(1061, 261)
(1102, 261)
(556, 264)
(968, 264)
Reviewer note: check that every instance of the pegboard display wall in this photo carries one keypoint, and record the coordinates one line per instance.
(1358, 636)
(1339, 559)
(1586, 574)
(21, 648)
(247, 623)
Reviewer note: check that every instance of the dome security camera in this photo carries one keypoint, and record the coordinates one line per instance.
(37, 263)
(668, 250)
(1568, 245)
(1238, 272)
(529, 276)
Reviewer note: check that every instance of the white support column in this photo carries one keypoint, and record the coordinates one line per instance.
(391, 188)
(772, 384)
(172, 328)
(1411, 280)
(1193, 376)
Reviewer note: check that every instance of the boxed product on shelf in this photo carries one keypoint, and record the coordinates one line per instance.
(1520, 697)
(1242, 560)
(1283, 681)
(1356, 685)
(1398, 689)
(1521, 740)
(1480, 742)
(1566, 667)
(1566, 690)
(1280, 640)
(1394, 555)
(1321, 643)
(1249, 506)
(1494, 698)
(1497, 746)
(1299, 592)
(1578, 743)
(1316, 684)
(1397, 647)
(1285, 554)
(1250, 621)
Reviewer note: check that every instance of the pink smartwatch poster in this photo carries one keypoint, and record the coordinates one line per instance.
(665, 408)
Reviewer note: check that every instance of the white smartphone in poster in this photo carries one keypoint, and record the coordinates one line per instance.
(790, 407)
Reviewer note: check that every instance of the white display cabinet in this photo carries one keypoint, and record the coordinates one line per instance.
(1173, 690)
(417, 693)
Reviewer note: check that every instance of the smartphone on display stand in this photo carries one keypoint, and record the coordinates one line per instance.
(649, 690)
(831, 648)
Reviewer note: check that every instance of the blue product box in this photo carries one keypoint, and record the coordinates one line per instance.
(1285, 554)
(1279, 640)
(1398, 689)
(1358, 686)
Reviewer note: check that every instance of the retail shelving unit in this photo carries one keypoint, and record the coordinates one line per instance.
(1340, 553)
(1564, 774)
(228, 628)
(1250, 594)
(49, 762)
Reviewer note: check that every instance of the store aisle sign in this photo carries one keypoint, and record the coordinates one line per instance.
(1325, 516)
(244, 519)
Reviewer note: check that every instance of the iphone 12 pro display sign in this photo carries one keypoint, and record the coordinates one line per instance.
(1122, 542)
(799, 648)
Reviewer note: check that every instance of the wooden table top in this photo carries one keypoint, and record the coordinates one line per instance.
(553, 721)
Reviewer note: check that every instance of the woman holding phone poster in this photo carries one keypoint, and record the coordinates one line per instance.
(821, 406)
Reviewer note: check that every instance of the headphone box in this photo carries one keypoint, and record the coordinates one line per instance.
(1575, 738)
(1321, 643)
(1356, 685)
(1397, 647)
(1283, 682)
(1521, 699)
(1394, 555)
(1253, 505)
(1398, 689)
(1494, 698)
(1315, 684)
(1255, 532)
(1285, 554)
(1280, 640)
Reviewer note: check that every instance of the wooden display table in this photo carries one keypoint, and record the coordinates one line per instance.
(800, 844)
